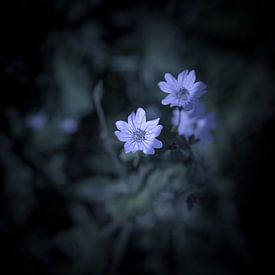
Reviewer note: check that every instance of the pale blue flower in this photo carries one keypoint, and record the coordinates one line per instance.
(37, 121)
(139, 134)
(196, 123)
(182, 92)
(69, 125)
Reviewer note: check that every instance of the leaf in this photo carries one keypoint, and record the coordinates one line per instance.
(97, 188)
(74, 84)
(129, 205)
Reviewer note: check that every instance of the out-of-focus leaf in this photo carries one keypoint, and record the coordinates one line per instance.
(74, 84)
(96, 189)
(132, 204)
(84, 245)
(101, 164)
(50, 137)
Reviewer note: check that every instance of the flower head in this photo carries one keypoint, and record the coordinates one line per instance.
(37, 121)
(139, 134)
(69, 125)
(183, 91)
(195, 122)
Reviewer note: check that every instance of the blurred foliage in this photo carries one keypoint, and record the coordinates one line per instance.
(72, 202)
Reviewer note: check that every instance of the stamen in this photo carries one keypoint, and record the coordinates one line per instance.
(183, 93)
(139, 135)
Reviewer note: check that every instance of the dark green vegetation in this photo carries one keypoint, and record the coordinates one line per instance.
(73, 203)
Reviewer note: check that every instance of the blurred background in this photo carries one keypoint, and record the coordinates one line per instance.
(71, 202)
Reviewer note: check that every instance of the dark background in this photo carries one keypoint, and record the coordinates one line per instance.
(53, 53)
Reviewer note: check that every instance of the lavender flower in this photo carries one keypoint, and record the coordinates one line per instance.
(139, 134)
(195, 122)
(37, 121)
(182, 92)
(69, 125)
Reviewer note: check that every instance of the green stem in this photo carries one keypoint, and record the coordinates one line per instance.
(179, 120)
(97, 95)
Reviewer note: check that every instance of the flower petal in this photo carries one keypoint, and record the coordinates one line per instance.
(154, 131)
(199, 85)
(132, 121)
(197, 93)
(165, 87)
(136, 147)
(181, 77)
(123, 136)
(191, 77)
(148, 148)
(148, 151)
(122, 126)
(171, 80)
(157, 144)
(127, 147)
(130, 146)
(152, 123)
(168, 99)
(140, 118)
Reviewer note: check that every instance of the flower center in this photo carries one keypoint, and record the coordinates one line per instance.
(183, 93)
(139, 135)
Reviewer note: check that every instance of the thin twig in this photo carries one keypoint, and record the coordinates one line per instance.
(121, 243)
(179, 121)
(97, 95)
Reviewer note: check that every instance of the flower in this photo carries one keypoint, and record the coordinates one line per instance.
(139, 134)
(195, 122)
(69, 125)
(183, 91)
(36, 121)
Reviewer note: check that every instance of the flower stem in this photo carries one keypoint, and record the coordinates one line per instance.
(121, 242)
(97, 95)
(179, 120)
